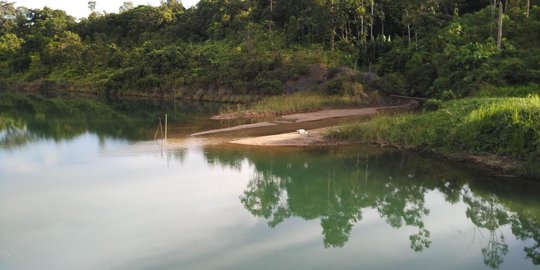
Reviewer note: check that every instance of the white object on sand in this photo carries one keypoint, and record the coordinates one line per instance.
(302, 132)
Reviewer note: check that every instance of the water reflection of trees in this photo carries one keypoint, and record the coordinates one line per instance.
(29, 118)
(489, 214)
(336, 186)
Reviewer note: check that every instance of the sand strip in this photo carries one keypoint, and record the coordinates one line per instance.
(313, 137)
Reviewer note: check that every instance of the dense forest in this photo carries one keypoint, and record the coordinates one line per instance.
(429, 48)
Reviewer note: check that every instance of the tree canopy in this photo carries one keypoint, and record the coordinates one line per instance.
(421, 47)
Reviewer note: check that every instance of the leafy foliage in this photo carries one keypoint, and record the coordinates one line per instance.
(421, 48)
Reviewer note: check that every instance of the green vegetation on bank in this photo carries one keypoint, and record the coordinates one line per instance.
(509, 91)
(501, 126)
(303, 103)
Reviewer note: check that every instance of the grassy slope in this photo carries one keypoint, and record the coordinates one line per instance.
(503, 126)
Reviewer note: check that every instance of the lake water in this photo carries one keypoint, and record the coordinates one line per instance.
(102, 195)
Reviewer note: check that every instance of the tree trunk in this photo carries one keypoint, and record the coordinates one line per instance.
(333, 34)
(416, 40)
(382, 19)
(528, 7)
(409, 33)
(348, 30)
(492, 18)
(357, 29)
(372, 20)
(363, 33)
(382, 27)
(500, 32)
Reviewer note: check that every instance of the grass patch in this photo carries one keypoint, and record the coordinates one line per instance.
(296, 103)
(506, 127)
(509, 91)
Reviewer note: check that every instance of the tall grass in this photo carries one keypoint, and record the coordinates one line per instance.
(295, 103)
(509, 91)
(507, 127)
(302, 102)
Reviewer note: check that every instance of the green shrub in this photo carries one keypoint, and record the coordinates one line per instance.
(268, 86)
(392, 83)
(513, 71)
(440, 84)
(335, 87)
(448, 95)
(432, 105)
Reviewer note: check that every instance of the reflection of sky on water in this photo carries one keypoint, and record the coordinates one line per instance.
(73, 201)
(91, 204)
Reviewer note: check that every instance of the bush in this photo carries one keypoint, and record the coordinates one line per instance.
(335, 87)
(440, 84)
(392, 83)
(513, 71)
(432, 105)
(447, 95)
(268, 86)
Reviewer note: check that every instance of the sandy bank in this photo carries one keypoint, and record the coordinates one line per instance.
(312, 137)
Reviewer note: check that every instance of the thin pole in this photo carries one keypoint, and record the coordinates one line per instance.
(165, 127)
(158, 130)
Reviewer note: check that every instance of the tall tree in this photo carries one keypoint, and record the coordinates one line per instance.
(500, 28)
(126, 6)
(92, 6)
(7, 16)
(372, 21)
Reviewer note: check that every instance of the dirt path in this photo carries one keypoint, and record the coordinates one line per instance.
(284, 130)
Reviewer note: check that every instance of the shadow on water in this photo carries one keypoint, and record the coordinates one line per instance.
(336, 185)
